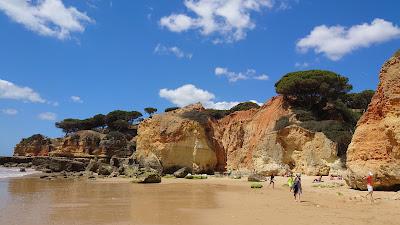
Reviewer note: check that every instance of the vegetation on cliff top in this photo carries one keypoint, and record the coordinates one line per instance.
(218, 114)
(321, 102)
(313, 87)
(116, 120)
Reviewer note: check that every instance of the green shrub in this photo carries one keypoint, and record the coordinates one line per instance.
(244, 106)
(358, 100)
(169, 176)
(303, 115)
(217, 114)
(256, 185)
(282, 123)
(171, 109)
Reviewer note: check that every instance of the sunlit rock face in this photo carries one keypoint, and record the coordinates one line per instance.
(375, 146)
(244, 141)
(252, 144)
(181, 138)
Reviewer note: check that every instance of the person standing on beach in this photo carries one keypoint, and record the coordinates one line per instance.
(297, 189)
(272, 181)
(290, 182)
(369, 187)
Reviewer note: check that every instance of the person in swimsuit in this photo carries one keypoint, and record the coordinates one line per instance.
(290, 182)
(297, 189)
(370, 187)
(272, 181)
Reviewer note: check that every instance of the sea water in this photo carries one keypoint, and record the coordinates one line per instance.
(14, 172)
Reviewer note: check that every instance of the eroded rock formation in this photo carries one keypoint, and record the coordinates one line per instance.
(375, 145)
(84, 143)
(251, 143)
(243, 140)
(180, 138)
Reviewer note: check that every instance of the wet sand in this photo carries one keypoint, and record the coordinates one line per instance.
(220, 201)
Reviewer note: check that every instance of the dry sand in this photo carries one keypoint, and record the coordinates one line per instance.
(217, 201)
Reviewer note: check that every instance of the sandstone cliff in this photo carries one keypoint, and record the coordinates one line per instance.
(375, 145)
(84, 143)
(243, 140)
(251, 142)
(180, 138)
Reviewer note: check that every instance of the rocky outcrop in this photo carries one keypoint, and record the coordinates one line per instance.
(86, 143)
(80, 144)
(253, 143)
(375, 145)
(244, 140)
(36, 145)
(180, 138)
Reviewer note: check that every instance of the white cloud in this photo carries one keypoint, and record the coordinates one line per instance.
(10, 112)
(164, 50)
(186, 94)
(190, 94)
(230, 19)
(47, 116)
(258, 103)
(336, 41)
(233, 76)
(8, 90)
(76, 99)
(46, 17)
(301, 65)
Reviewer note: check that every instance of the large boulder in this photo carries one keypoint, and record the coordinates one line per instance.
(56, 164)
(182, 172)
(147, 175)
(180, 138)
(375, 146)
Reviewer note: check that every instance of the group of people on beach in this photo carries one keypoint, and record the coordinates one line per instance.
(294, 184)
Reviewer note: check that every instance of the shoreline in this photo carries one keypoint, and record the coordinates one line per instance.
(190, 202)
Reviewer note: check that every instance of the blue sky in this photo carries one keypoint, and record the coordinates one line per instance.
(77, 58)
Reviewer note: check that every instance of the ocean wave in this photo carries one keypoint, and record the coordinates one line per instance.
(14, 172)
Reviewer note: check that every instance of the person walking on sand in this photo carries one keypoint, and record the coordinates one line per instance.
(369, 187)
(272, 181)
(290, 182)
(297, 189)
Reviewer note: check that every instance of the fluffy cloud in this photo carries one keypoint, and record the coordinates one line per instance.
(47, 116)
(336, 41)
(164, 50)
(301, 65)
(233, 76)
(76, 99)
(10, 112)
(190, 94)
(231, 19)
(8, 90)
(46, 17)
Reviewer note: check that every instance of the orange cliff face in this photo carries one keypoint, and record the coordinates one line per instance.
(375, 146)
(242, 132)
(243, 140)
(85, 143)
(251, 143)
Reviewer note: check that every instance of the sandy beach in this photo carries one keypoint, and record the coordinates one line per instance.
(30, 200)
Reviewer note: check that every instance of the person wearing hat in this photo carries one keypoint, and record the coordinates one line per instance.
(369, 186)
(297, 190)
